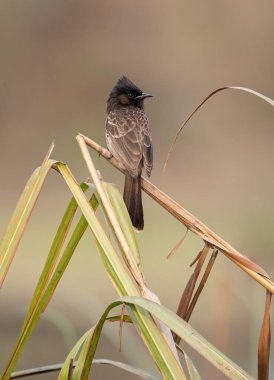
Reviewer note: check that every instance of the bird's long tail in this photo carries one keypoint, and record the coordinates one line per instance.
(133, 200)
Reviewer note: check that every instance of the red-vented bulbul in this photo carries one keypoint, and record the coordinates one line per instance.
(129, 140)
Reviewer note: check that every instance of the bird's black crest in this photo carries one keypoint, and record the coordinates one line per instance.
(125, 86)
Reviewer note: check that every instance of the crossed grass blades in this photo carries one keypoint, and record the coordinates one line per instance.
(153, 321)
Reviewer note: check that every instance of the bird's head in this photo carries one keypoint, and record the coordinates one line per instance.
(125, 93)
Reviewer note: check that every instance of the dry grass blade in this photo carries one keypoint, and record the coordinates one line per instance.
(121, 327)
(196, 259)
(70, 369)
(118, 318)
(264, 342)
(201, 285)
(177, 246)
(265, 98)
(56, 367)
(189, 289)
(256, 93)
(193, 223)
(184, 123)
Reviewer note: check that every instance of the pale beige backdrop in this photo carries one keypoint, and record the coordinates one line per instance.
(59, 60)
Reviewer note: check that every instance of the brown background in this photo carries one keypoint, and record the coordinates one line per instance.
(59, 60)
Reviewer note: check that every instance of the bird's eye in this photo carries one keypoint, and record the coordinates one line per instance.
(130, 95)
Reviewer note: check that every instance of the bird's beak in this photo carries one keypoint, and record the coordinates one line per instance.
(143, 96)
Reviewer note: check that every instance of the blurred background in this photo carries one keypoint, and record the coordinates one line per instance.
(59, 60)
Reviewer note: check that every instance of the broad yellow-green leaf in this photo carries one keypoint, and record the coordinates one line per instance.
(192, 337)
(46, 286)
(21, 215)
(111, 258)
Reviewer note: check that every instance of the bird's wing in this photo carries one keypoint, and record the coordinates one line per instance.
(148, 152)
(125, 138)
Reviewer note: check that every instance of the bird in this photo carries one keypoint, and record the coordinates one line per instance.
(129, 140)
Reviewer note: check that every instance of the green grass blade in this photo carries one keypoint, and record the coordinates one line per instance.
(63, 375)
(21, 215)
(121, 212)
(153, 338)
(88, 344)
(192, 337)
(89, 347)
(68, 252)
(55, 250)
(43, 293)
(192, 371)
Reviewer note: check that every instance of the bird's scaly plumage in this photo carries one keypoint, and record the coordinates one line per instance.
(128, 138)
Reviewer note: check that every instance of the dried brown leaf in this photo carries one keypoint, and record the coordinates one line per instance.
(121, 327)
(264, 342)
(201, 285)
(196, 259)
(177, 246)
(189, 289)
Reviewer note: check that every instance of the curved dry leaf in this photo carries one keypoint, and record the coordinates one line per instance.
(245, 89)
(177, 246)
(264, 342)
(57, 367)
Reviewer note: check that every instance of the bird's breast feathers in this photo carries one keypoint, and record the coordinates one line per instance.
(128, 138)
